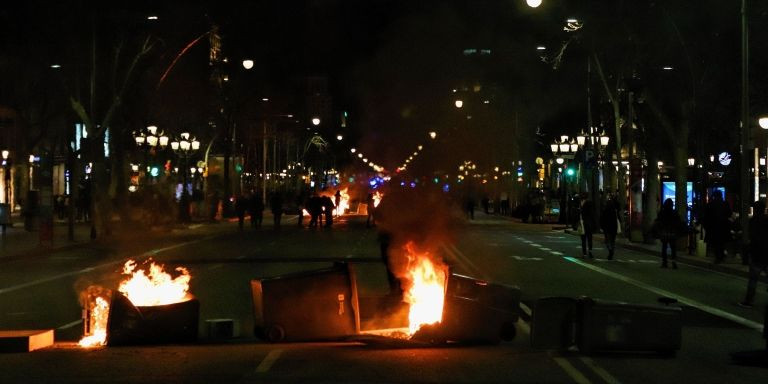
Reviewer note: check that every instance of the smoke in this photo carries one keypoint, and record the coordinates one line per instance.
(424, 217)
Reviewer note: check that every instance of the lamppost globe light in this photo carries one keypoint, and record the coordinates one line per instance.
(763, 122)
(458, 103)
(315, 121)
(433, 134)
(533, 3)
(247, 64)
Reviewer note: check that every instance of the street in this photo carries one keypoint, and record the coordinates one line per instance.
(42, 292)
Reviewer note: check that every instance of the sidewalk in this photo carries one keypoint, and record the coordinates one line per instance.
(731, 265)
(20, 243)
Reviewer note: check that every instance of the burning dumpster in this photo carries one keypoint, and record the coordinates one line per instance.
(475, 311)
(149, 307)
(154, 324)
(307, 306)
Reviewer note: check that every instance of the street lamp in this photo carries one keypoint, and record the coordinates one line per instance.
(594, 143)
(152, 139)
(7, 176)
(533, 3)
(184, 146)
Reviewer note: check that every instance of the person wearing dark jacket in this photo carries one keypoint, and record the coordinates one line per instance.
(587, 225)
(609, 222)
(256, 209)
(717, 226)
(668, 228)
(276, 206)
(758, 250)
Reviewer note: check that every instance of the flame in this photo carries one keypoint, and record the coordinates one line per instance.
(377, 198)
(157, 288)
(426, 288)
(343, 205)
(99, 315)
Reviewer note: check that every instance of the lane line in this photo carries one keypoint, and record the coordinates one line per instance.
(70, 325)
(690, 302)
(269, 360)
(89, 269)
(574, 373)
(599, 370)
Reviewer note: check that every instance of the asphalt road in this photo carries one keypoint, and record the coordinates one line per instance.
(43, 292)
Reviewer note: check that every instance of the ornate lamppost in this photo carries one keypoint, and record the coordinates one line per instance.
(564, 150)
(593, 144)
(151, 139)
(184, 147)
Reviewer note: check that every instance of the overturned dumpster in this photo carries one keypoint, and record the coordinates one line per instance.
(149, 307)
(475, 311)
(307, 306)
(595, 325)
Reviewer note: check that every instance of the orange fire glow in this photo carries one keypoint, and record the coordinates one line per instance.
(142, 288)
(377, 198)
(426, 280)
(343, 202)
(157, 288)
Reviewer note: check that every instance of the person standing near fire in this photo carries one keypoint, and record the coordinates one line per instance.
(276, 205)
(370, 221)
(337, 201)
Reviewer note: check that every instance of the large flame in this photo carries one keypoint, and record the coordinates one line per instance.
(155, 288)
(96, 329)
(425, 288)
(377, 198)
(143, 289)
(343, 205)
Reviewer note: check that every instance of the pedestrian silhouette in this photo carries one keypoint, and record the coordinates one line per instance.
(337, 202)
(276, 205)
(587, 225)
(256, 209)
(328, 207)
(717, 227)
(370, 220)
(758, 251)
(610, 223)
(241, 206)
(315, 207)
(667, 228)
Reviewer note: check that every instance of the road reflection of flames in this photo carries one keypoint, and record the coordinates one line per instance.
(142, 288)
(425, 288)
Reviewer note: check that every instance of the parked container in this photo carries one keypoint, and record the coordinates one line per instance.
(307, 306)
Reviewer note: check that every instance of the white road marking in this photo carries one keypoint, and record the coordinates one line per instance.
(684, 300)
(546, 249)
(574, 373)
(89, 269)
(523, 258)
(269, 360)
(556, 253)
(599, 370)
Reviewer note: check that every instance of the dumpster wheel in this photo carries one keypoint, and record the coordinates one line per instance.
(274, 333)
(508, 331)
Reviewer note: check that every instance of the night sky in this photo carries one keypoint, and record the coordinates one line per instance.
(394, 64)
